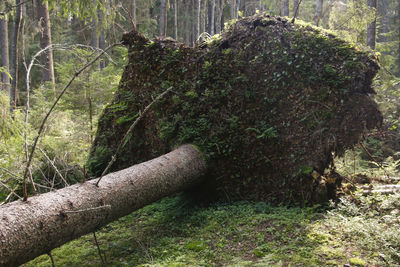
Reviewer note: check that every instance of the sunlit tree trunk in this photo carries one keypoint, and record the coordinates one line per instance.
(45, 40)
(203, 16)
(5, 79)
(371, 28)
(318, 11)
(187, 22)
(44, 222)
(14, 55)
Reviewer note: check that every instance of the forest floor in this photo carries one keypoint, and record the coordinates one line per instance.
(357, 231)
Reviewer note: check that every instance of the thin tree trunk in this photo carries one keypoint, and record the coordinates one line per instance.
(31, 228)
(203, 16)
(285, 7)
(187, 23)
(218, 17)
(161, 25)
(398, 25)
(176, 19)
(295, 4)
(5, 79)
(383, 29)
(212, 18)
(371, 28)
(14, 56)
(198, 12)
(318, 11)
(45, 40)
(133, 10)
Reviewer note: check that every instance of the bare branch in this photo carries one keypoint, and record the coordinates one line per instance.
(51, 110)
(54, 166)
(10, 190)
(114, 157)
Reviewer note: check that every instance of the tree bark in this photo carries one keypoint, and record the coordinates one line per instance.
(212, 17)
(29, 229)
(371, 28)
(318, 11)
(285, 8)
(198, 13)
(45, 40)
(5, 79)
(384, 22)
(176, 19)
(295, 4)
(14, 56)
(161, 25)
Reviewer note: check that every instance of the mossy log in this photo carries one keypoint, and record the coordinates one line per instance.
(269, 103)
(44, 222)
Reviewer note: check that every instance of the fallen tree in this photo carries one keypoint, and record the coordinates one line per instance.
(34, 227)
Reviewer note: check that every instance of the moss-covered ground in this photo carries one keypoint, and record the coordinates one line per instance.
(363, 231)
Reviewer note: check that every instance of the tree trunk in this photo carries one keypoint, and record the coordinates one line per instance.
(318, 11)
(384, 23)
(45, 40)
(295, 4)
(285, 8)
(44, 222)
(187, 23)
(212, 18)
(176, 19)
(161, 25)
(198, 12)
(218, 12)
(14, 56)
(371, 28)
(5, 79)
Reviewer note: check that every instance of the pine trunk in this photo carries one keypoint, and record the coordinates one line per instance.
(14, 55)
(29, 229)
(45, 41)
(371, 28)
(5, 79)
(285, 8)
(318, 11)
(161, 29)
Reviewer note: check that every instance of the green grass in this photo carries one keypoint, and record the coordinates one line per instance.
(174, 232)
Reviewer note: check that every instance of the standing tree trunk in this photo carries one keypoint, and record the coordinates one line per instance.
(198, 12)
(295, 4)
(161, 25)
(14, 56)
(318, 11)
(187, 23)
(218, 12)
(371, 28)
(176, 19)
(204, 16)
(133, 10)
(212, 17)
(45, 41)
(383, 25)
(285, 8)
(5, 79)
(29, 229)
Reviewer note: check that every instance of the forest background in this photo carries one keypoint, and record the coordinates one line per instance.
(45, 43)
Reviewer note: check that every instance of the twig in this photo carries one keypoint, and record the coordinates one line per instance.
(114, 157)
(130, 17)
(10, 7)
(88, 209)
(373, 159)
(99, 250)
(10, 190)
(296, 12)
(51, 259)
(54, 166)
(51, 109)
(9, 172)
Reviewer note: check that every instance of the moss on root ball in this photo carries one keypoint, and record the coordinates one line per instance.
(268, 102)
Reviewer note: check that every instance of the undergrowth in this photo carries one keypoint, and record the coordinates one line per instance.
(359, 231)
